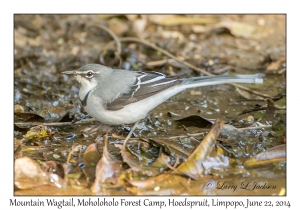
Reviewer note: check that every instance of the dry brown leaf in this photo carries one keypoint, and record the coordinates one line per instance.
(274, 152)
(248, 95)
(91, 158)
(193, 167)
(18, 109)
(196, 120)
(54, 167)
(28, 174)
(21, 40)
(107, 170)
(273, 155)
(172, 20)
(118, 26)
(172, 34)
(199, 29)
(270, 111)
(245, 30)
(107, 16)
(38, 133)
(139, 26)
(132, 17)
(275, 64)
(149, 183)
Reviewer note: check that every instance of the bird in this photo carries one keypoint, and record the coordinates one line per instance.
(117, 96)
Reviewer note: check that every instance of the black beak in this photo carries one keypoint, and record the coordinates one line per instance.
(74, 72)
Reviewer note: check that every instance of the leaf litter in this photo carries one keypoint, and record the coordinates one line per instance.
(161, 159)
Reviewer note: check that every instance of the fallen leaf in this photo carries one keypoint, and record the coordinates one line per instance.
(195, 120)
(28, 174)
(107, 170)
(29, 117)
(245, 30)
(91, 158)
(52, 114)
(139, 26)
(18, 109)
(53, 167)
(118, 26)
(38, 133)
(193, 167)
(270, 111)
(247, 94)
(172, 20)
(172, 35)
(273, 155)
(275, 64)
(23, 40)
(132, 17)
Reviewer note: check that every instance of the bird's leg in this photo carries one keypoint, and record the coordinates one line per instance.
(125, 141)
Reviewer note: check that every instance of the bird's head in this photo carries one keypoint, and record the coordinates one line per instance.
(89, 76)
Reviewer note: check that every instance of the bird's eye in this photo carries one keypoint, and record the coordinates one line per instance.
(89, 74)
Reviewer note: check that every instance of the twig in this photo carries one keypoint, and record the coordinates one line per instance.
(282, 71)
(254, 128)
(220, 70)
(74, 150)
(133, 39)
(254, 123)
(187, 135)
(174, 166)
(252, 110)
(19, 147)
(245, 99)
(160, 62)
(116, 40)
(25, 124)
(121, 137)
(260, 109)
(249, 90)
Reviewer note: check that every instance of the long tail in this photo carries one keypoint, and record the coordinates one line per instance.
(217, 80)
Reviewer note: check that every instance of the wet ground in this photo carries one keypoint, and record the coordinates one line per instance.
(46, 45)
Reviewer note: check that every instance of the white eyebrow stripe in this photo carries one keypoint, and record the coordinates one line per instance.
(85, 72)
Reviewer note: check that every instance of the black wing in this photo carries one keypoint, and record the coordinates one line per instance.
(146, 85)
